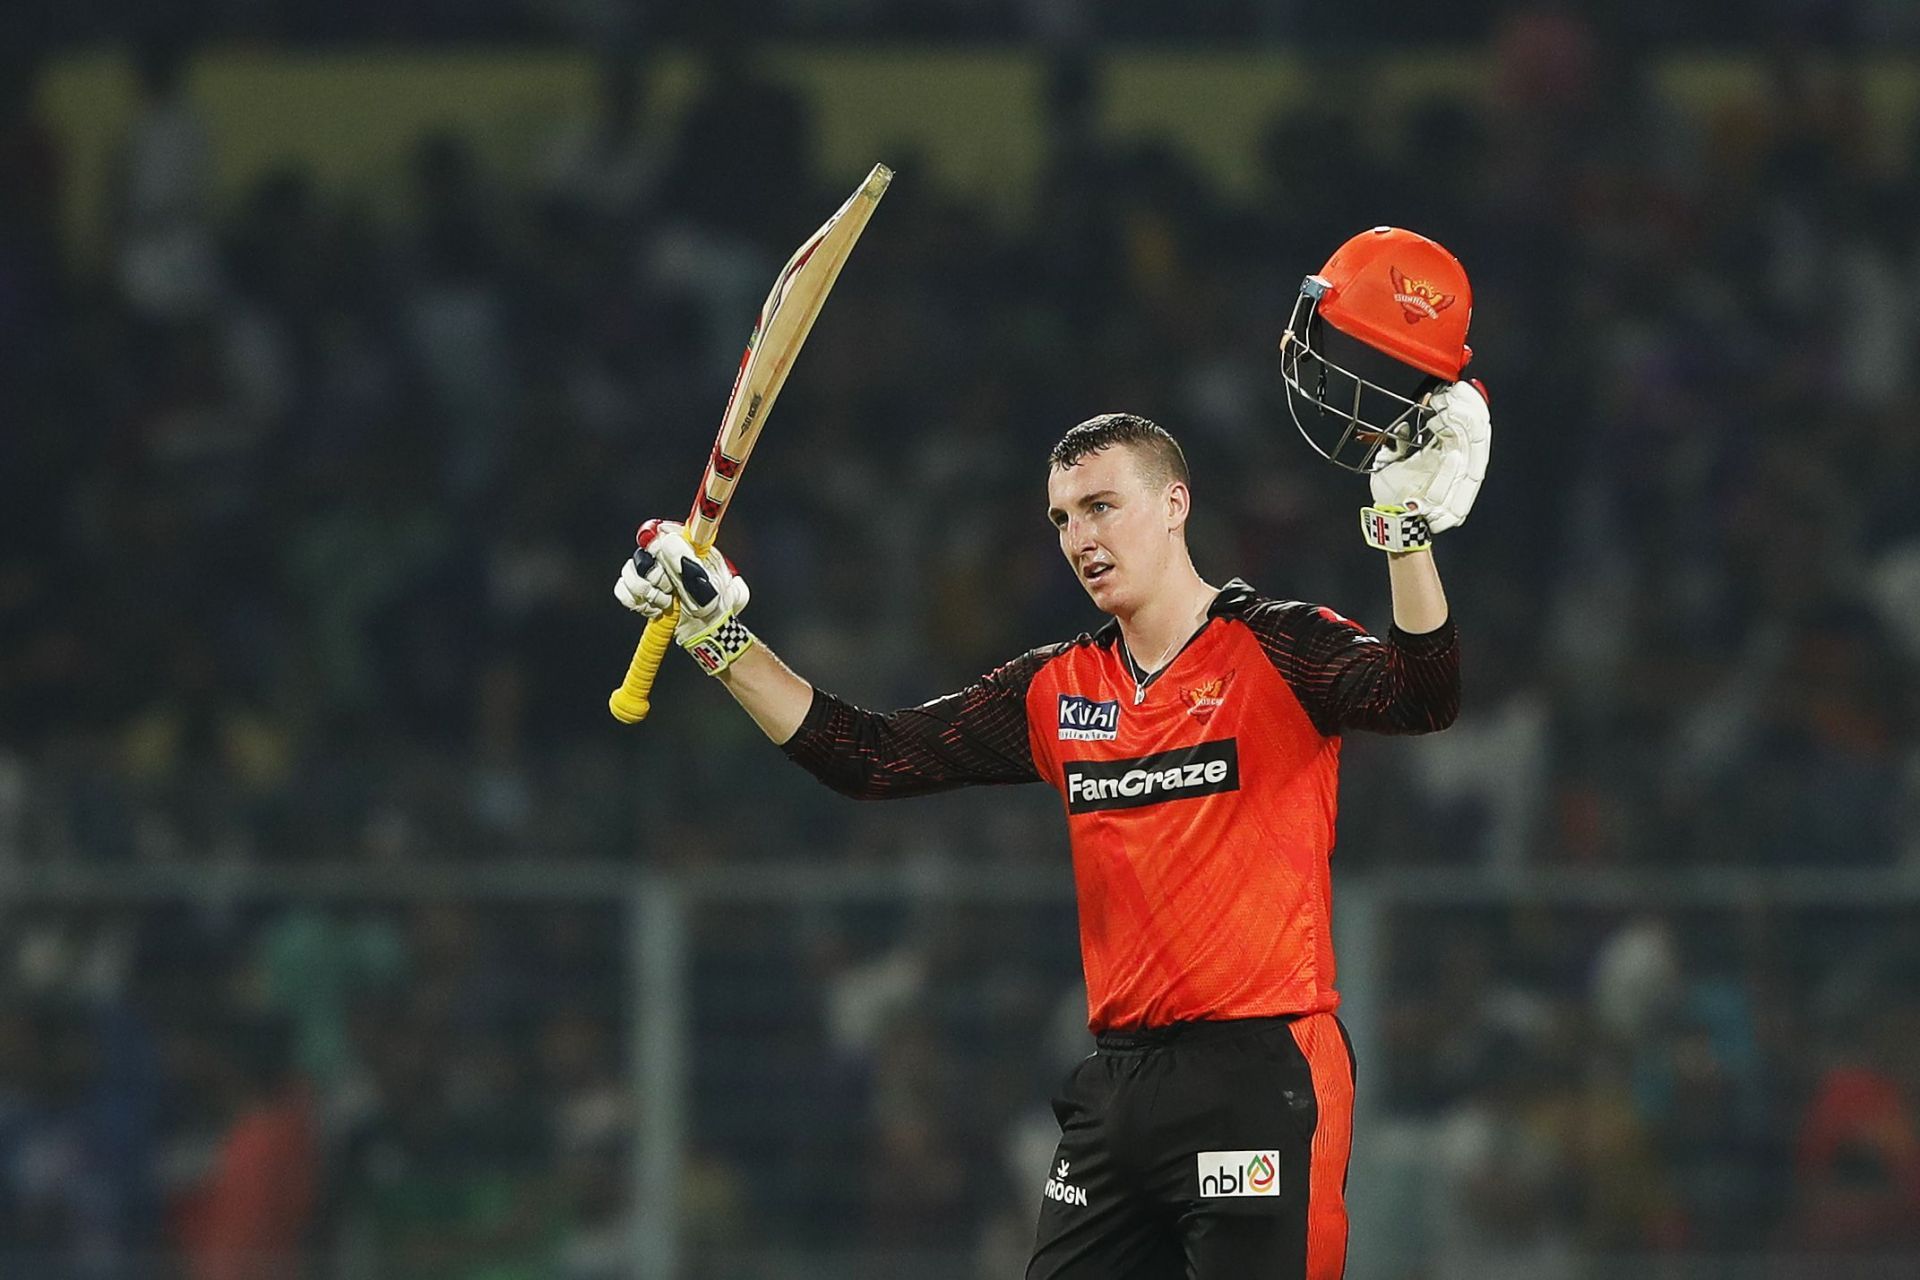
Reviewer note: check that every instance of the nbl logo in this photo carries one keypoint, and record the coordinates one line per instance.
(1239, 1173)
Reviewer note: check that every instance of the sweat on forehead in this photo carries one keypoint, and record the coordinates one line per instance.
(1158, 453)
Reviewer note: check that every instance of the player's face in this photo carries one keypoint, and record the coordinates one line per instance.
(1116, 526)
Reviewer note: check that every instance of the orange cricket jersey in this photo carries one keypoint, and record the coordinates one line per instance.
(1201, 816)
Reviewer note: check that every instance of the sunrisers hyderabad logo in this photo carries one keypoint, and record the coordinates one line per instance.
(1205, 699)
(1418, 300)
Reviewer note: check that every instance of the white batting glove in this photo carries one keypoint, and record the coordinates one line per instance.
(665, 569)
(648, 592)
(1439, 482)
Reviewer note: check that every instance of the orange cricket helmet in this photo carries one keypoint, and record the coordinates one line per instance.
(1375, 331)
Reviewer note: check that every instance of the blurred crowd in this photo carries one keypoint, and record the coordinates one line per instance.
(310, 511)
(1371, 23)
(254, 1091)
(440, 1091)
(1565, 1091)
(1706, 1083)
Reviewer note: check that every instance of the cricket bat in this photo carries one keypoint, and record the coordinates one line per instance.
(786, 318)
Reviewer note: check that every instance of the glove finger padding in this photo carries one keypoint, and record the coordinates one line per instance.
(1443, 489)
(1466, 430)
(737, 595)
(647, 593)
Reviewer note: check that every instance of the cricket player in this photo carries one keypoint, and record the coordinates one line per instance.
(1195, 742)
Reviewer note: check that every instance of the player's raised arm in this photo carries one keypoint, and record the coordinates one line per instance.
(1410, 683)
(975, 736)
(1373, 359)
(1346, 678)
(771, 692)
(1425, 493)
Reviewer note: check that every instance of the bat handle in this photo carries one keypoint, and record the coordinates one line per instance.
(629, 702)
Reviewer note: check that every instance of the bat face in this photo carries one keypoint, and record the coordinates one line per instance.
(750, 416)
(785, 319)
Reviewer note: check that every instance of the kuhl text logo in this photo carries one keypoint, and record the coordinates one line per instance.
(1239, 1173)
(1208, 769)
(1084, 720)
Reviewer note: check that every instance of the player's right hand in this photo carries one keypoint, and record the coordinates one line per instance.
(665, 569)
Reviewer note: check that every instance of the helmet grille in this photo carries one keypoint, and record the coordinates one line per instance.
(1356, 406)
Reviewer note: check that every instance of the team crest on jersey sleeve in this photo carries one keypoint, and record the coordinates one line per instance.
(1204, 699)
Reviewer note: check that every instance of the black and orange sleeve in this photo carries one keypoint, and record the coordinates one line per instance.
(977, 736)
(1347, 678)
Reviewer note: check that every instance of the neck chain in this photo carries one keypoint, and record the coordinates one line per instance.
(1141, 675)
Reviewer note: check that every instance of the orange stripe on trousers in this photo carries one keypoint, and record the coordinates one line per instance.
(1326, 1052)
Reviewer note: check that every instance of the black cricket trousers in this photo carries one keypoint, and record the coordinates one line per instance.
(1203, 1151)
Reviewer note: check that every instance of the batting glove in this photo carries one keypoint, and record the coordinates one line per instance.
(665, 569)
(1431, 489)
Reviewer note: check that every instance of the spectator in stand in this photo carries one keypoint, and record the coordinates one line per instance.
(250, 1218)
(1857, 1162)
(169, 264)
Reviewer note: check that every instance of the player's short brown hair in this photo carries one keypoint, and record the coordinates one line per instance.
(1159, 453)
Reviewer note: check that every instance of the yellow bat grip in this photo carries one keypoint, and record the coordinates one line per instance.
(629, 702)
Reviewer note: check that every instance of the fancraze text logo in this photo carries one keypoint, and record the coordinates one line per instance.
(1208, 769)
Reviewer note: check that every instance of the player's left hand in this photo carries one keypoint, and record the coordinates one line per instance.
(1440, 481)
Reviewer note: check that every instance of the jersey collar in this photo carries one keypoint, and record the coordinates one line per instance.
(1232, 601)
